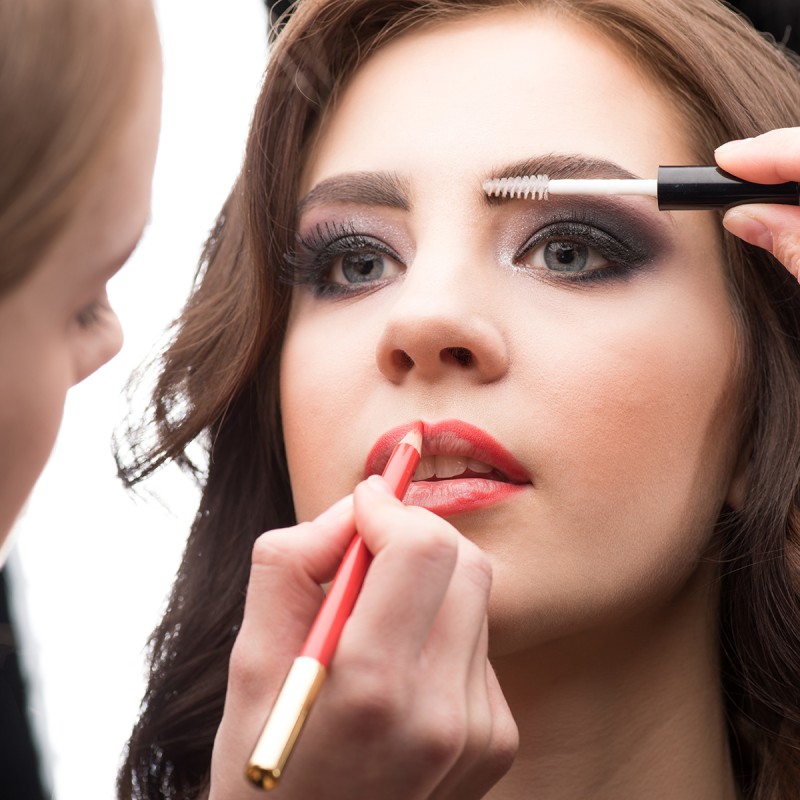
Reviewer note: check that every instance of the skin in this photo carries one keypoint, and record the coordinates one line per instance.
(619, 399)
(625, 408)
(773, 157)
(57, 327)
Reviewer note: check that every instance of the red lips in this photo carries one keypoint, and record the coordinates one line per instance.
(461, 493)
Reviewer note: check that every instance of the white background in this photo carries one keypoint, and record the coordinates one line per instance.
(92, 564)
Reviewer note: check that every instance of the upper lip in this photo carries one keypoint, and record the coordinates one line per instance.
(449, 438)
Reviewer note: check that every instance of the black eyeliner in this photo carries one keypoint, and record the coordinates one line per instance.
(623, 236)
(315, 254)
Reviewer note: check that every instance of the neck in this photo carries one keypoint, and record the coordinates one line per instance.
(633, 711)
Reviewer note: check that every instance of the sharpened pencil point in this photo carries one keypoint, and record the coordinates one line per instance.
(414, 437)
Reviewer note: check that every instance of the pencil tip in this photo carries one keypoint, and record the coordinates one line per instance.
(414, 437)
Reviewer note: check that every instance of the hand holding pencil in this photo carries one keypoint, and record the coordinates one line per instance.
(411, 707)
(302, 684)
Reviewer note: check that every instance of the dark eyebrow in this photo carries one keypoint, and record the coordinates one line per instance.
(559, 165)
(361, 188)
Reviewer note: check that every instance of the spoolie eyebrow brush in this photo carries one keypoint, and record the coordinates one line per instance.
(307, 673)
(676, 188)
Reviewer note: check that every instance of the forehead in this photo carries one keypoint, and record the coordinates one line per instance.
(109, 216)
(495, 87)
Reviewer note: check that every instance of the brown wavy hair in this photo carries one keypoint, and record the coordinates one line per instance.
(68, 71)
(218, 377)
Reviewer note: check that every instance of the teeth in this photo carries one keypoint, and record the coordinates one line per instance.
(448, 467)
(425, 469)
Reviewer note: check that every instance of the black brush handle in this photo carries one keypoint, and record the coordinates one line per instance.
(711, 187)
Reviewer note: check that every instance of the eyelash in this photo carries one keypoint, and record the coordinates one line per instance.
(89, 317)
(623, 258)
(310, 263)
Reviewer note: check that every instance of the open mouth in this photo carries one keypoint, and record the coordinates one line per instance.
(440, 468)
(462, 468)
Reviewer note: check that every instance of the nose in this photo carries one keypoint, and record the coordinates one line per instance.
(438, 329)
(101, 348)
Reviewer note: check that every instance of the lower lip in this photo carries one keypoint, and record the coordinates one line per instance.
(460, 496)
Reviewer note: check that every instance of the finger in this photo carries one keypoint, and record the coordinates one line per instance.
(288, 566)
(457, 644)
(414, 553)
(462, 778)
(494, 739)
(772, 157)
(774, 228)
(454, 662)
(283, 596)
(504, 743)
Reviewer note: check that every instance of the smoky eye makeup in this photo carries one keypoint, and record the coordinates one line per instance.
(340, 259)
(569, 242)
(585, 243)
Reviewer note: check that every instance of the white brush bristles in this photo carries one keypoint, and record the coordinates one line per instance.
(534, 187)
(540, 187)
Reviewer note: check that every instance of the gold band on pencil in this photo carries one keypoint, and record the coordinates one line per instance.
(285, 721)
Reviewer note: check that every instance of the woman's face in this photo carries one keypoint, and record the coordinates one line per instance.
(57, 327)
(591, 340)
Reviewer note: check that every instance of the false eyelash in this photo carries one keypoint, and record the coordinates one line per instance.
(311, 260)
(308, 261)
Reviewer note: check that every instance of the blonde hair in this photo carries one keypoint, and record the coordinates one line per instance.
(68, 69)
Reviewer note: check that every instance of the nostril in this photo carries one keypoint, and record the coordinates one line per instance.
(402, 360)
(461, 355)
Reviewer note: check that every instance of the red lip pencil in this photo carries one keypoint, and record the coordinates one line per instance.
(308, 670)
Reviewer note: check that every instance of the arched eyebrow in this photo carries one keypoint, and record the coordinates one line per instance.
(392, 191)
(558, 165)
(360, 188)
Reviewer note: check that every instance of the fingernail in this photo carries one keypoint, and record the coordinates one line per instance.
(748, 228)
(379, 484)
(732, 147)
(337, 510)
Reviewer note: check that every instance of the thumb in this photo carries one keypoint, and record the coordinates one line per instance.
(774, 228)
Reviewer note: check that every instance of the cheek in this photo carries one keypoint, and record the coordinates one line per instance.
(323, 374)
(31, 407)
(640, 432)
(633, 427)
(648, 422)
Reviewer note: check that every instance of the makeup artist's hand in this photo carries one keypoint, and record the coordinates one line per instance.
(411, 708)
(773, 157)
